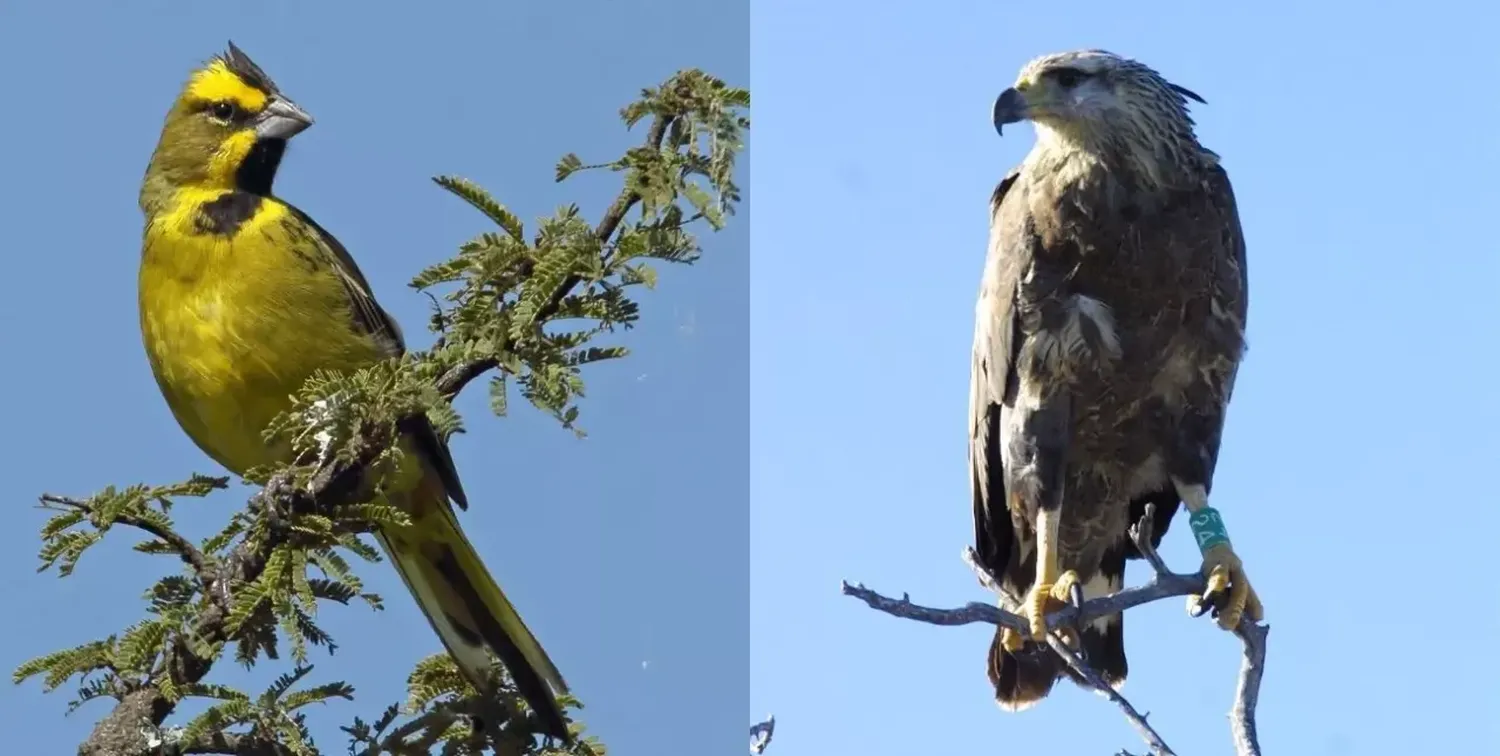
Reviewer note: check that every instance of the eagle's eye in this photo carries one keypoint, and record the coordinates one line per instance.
(1068, 77)
(223, 111)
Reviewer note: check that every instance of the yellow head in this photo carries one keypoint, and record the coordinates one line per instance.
(227, 130)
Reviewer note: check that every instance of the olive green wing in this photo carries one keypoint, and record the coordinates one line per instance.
(370, 318)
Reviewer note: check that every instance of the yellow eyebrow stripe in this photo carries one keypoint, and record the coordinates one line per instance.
(217, 82)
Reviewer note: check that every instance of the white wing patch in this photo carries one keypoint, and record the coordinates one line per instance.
(1086, 335)
(1098, 586)
(1082, 309)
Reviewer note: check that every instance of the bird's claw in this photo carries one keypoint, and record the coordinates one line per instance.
(1041, 600)
(1227, 592)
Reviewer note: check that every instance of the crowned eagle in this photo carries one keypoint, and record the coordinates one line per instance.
(1110, 326)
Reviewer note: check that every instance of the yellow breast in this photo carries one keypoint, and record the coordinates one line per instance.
(233, 324)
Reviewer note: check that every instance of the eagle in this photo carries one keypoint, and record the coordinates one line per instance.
(1109, 329)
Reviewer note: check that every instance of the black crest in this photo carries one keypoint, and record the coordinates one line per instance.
(241, 64)
(1188, 93)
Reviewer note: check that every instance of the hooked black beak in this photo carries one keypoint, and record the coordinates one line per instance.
(281, 119)
(1010, 107)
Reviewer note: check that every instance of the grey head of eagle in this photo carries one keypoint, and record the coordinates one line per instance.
(1108, 333)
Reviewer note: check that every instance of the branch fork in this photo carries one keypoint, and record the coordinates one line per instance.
(1163, 584)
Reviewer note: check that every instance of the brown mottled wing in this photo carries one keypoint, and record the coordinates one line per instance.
(1200, 433)
(369, 317)
(1233, 282)
(1217, 251)
(990, 382)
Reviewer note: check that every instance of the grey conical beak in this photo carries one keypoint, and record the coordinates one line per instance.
(281, 119)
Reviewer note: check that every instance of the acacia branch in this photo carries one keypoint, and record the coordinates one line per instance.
(231, 744)
(125, 730)
(129, 728)
(454, 380)
(203, 566)
(1163, 584)
(418, 735)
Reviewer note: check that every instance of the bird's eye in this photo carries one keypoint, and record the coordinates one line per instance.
(224, 111)
(1068, 77)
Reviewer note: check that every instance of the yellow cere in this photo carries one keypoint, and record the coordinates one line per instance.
(217, 82)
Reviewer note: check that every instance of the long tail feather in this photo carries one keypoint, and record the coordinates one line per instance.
(467, 609)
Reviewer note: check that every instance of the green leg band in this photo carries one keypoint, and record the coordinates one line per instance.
(1208, 528)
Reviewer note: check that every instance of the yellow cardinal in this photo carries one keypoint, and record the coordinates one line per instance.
(243, 296)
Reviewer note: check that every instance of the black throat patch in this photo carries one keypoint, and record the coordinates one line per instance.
(225, 215)
(258, 170)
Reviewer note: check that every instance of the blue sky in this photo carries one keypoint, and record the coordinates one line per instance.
(626, 552)
(1354, 477)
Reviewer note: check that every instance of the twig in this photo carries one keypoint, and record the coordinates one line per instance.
(201, 564)
(1138, 720)
(459, 376)
(1148, 733)
(1163, 584)
(1247, 690)
(430, 725)
(234, 744)
(760, 735)
(122, 731)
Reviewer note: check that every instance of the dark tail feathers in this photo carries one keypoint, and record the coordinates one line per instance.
(1025, 677)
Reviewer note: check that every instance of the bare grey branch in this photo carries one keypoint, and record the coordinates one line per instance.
(1163, 584)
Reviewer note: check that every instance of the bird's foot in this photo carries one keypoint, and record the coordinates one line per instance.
(1228, 591)
(1012, 640)
(1043, 599)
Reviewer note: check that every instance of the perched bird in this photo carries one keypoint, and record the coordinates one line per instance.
(1109, 329)
(243, 296)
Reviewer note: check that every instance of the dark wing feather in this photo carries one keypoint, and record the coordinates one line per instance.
(989, 384)
(1199, 439)
(1224, 198)
(1231, 282)
(372, 319)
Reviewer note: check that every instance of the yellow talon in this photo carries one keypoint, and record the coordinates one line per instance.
(1062, 590)
(1011, 640)
(1227, 589)
(1045, 598)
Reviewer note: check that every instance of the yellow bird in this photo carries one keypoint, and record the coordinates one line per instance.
(243, 297)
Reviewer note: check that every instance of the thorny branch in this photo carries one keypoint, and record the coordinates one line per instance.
(420, 735)
(417, 736)
(134, 724)
(190, 554)
(232, 743)
(1163, 584)
(455, 379)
